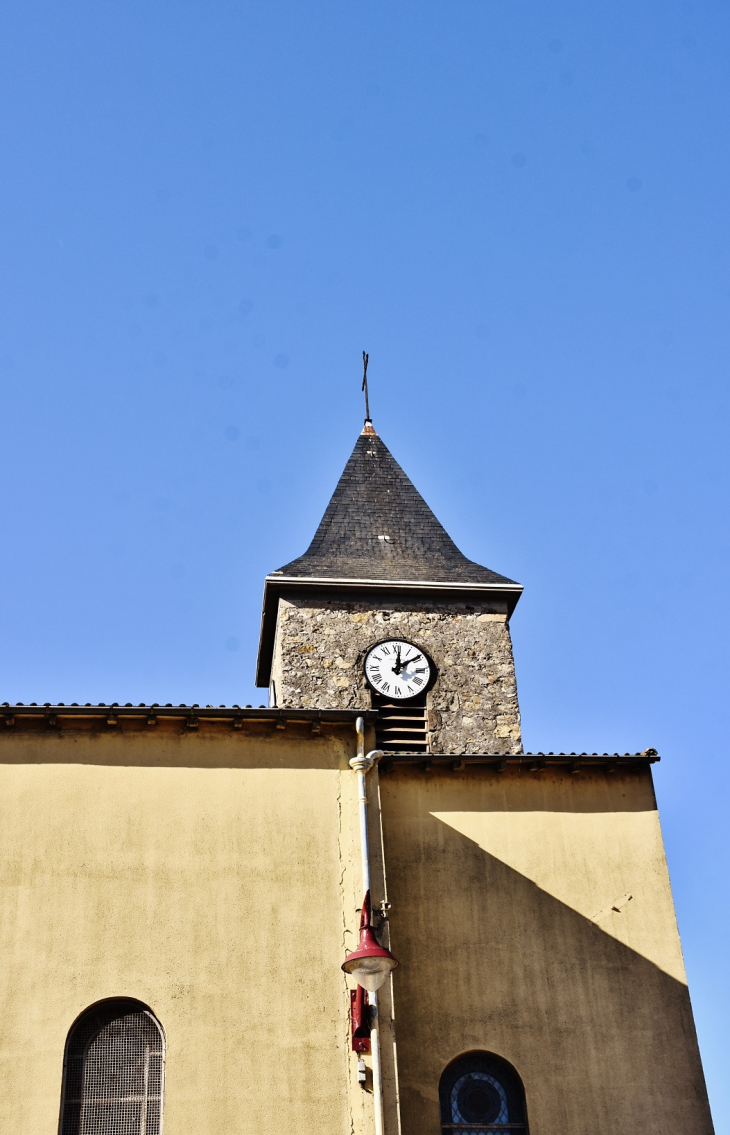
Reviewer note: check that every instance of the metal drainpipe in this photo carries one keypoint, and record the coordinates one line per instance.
(362, 764)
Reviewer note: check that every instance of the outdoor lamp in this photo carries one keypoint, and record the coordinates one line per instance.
(370, 963)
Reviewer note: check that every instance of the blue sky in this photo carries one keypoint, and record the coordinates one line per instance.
(207, 212)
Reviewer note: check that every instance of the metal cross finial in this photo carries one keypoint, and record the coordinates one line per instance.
(365, 358)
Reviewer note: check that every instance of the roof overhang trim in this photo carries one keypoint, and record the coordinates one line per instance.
(429, 584)
(185, 713)
(533, 762)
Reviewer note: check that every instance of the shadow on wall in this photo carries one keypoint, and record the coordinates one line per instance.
(217, 748)
(602, 1038)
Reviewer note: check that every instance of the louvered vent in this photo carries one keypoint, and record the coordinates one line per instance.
(114, 1072)
(401, 727)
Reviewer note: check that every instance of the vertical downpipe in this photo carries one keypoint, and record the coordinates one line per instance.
(362, 765)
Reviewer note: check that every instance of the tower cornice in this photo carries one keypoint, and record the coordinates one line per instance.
(503, 596)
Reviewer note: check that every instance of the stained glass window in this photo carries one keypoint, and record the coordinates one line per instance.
(481, 1094)
(113, 1076)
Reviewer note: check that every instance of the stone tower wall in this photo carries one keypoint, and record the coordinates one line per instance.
(472, 708)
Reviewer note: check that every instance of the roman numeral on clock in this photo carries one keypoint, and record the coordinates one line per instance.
(392, 669)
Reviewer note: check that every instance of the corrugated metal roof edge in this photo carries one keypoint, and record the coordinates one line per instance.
(531, 762)
(183, 710)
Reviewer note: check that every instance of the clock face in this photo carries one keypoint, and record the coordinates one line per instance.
(397, 669)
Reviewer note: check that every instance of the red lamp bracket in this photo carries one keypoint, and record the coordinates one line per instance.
(360, 1019)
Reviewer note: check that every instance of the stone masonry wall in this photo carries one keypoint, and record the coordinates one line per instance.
(472, 708)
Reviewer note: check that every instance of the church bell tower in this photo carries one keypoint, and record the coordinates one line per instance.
(383, 611)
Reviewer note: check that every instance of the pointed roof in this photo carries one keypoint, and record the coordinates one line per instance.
(378, 537)
(377, 528)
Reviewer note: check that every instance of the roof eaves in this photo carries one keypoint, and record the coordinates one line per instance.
(9, 712)
(531, 762)
(450, 585)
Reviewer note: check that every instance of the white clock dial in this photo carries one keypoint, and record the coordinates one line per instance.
(397, 669)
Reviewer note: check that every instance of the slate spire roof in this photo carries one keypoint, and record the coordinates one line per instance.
(377, 526)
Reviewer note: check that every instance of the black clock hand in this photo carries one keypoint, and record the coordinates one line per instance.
(401, 665)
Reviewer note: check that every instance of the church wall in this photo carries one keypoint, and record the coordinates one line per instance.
(213, 876)
(533, 918)
(320, 649)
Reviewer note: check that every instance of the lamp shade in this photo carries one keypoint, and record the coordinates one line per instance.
(370, 963)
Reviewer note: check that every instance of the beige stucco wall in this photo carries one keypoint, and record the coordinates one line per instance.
(213, 877)
(503, 887)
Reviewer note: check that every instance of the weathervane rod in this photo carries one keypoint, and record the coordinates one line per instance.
(365, 358)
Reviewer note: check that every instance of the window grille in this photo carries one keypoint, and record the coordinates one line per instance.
(482, 1094)
(114, 1072)
(401, 726)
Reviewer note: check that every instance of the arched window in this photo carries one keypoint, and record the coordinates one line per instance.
(481, 1094)
(113, 1072)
